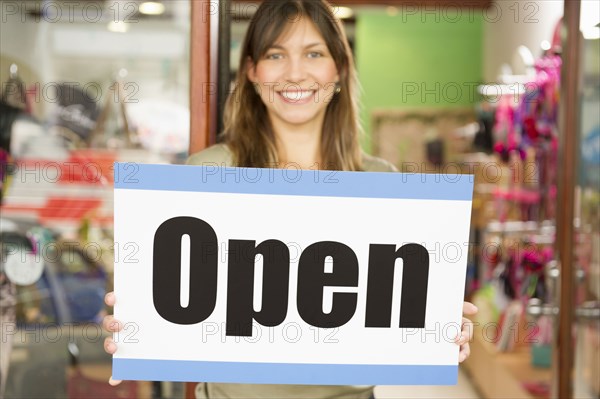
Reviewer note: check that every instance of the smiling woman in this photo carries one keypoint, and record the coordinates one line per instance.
(295, 96)
(296, 80)
(294, 103)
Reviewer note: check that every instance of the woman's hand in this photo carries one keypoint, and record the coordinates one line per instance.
(111, 325)
(466, 333)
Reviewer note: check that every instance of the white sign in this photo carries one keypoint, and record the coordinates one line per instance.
(289, 277)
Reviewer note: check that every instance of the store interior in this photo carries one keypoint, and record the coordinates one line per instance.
(444, 89)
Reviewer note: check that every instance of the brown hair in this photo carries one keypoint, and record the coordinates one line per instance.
(247, 128)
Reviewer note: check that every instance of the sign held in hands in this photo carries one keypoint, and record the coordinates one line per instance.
(289, 277)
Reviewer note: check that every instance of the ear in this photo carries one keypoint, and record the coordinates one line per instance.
(338, 76)
(250, 70)
(341, 74)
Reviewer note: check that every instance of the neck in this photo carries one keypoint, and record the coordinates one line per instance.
(299, 145)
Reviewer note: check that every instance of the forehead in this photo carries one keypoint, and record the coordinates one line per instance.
(299, 32)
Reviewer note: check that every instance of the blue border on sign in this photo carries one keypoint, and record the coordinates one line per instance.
(322, 183)
(283, 373)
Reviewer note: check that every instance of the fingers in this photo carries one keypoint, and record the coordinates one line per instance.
(467, 328)
(114, 382)
(109, 346)
(109, 298)
(466, 333)
(462, 339)
(110, 324)
(465, 351)
(469, 308)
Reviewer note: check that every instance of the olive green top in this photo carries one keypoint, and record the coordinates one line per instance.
(220, 155)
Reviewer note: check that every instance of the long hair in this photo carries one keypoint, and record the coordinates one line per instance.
(247, 128)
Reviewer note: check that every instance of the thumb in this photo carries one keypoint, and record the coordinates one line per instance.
(114, 383)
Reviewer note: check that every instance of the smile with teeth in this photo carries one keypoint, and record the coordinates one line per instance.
(297, 96)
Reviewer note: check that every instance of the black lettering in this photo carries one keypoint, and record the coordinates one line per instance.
(240, 285)
(415, 273)
(312, 278)
(167, 270)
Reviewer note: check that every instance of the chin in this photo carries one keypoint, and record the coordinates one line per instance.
(298, 119)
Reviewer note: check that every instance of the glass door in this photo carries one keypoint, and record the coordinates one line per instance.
(586, 373)
(577, 304)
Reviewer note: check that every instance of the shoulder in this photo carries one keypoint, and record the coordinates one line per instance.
(215, 154)
(374, 164)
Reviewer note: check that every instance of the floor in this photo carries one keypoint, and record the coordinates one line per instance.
(463, 390)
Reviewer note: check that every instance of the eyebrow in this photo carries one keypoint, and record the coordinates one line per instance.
(278, 47)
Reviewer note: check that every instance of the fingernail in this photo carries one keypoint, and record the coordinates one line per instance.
(462, 357)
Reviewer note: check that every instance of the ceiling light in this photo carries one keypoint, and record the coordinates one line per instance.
(152, 8)
(589, 17)
(591, 33)
(343, 12)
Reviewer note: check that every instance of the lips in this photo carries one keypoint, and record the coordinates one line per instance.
(296, 96)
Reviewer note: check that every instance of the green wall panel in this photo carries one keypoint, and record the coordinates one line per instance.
(419, 60)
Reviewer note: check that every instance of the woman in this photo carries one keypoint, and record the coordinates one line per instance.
(295, 101)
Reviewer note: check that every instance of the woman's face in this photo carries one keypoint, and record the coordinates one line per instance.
(296, 77)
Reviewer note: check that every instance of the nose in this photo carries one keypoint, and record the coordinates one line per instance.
(296, 70)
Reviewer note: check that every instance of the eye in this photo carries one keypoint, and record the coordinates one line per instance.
(315, 54)
(273, 56)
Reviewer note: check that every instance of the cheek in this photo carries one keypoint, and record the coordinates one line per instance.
(328, 75)
(266, 74)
